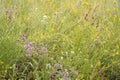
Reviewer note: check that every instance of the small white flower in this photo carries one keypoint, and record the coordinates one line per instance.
(61, 58)
(51, 58)
(72, 52)
(36, 8)
(45, 17)
(91, 66)
(48, 66)
(66, 53)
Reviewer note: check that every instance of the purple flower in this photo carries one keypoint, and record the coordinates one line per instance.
(52, 77)
(99, 73)
(17, 65)
(43, 49)
(58, 66)
(28, 55)
(29, 47)
(66, 75)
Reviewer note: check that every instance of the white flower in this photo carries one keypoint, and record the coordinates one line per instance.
(66, 53)
(48, 66)
(36, 8)
(72, 52)
(45, 17)
(61, 58)
(91, 66)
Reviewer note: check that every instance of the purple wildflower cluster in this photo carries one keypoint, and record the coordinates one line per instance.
(64, 74)
(31, 48)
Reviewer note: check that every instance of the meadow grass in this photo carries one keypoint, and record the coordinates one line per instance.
(59, 40)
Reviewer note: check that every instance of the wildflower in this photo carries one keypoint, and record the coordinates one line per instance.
(58, 66)
(36, 8)
(99, 73)
(43, 49)
(29, 47)
(52, 77)
(48, 66)
(45, 17)
(66, 53)
(10, 67)
(17, 65)
(66, 75)
(51, 58)
(29, 50)
(28, 55)
(72, 52)
(61, 58)
(85, 3)
(91, 66)
(108, 10)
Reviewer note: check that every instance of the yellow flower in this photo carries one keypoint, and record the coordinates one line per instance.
(85, 3)
(52, 29)
(51, 58)
(5, 71)
(10, 67)
(108, 10)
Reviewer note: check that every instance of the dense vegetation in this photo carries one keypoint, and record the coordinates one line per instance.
(59, 40)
